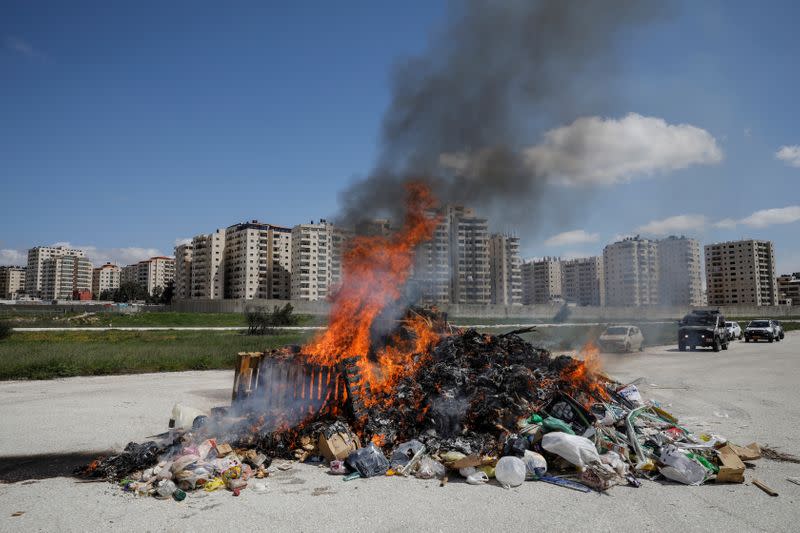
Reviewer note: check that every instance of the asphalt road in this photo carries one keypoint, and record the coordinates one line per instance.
(749, 392)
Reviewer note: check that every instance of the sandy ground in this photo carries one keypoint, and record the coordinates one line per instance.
(749, 392)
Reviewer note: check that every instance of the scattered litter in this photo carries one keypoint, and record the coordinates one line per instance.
(775, 455)
(763, 486)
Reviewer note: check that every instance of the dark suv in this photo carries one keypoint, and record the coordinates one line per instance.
(703, 328)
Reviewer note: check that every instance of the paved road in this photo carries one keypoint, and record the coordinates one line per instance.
(749, 392)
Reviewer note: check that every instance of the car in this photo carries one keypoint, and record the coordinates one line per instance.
(734, 330)
(704, 328)
(761, 330)
(779, 327)
(621, 339)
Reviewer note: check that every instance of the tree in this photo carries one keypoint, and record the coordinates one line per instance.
(168, 294)
(263, 322)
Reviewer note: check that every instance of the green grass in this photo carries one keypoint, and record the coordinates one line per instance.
(47, 355)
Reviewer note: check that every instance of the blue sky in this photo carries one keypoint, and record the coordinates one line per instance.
(127, 126)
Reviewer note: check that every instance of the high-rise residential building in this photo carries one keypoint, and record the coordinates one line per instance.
(65, 277)
(583, 282)
(183, 271)
(741, 272)
(36, 259)
(12, 282)
(789, 289)
(257, 261)
(680, 279)
(208, 266)
(541, 281)
(506, 271)
(374, 227)
(152, 274)
(469, 257)
(105, 278)
(631, 272)
(430, 282)
(312, 261)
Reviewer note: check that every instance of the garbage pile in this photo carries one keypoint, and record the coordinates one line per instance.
(481, 408)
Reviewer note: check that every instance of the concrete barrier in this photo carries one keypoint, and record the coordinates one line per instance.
(522, 312)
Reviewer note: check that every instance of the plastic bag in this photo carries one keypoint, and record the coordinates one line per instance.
(368, 461)
(478, 477)
(430, 468)
(678, 467)
(535, 465)
(510, 471)
(614, 460)
(404, 452)
(467, 471)
(579, 451)
(631, 393)
(338, 468)
(556, 424)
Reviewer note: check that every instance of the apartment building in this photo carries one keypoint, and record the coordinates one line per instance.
(375, 227)
(789, 289)
(183, 271)
(152, 274)
(105, 278)
(12, 282)
(208, 266)
(257, 261)
(36, 259)
(430, 281)
(541, 281)
(312, 261)
(680, 278)
(583, 282)
(65, 277)
(469, 257)
(741, 273)
(631, 272)
(506, 270)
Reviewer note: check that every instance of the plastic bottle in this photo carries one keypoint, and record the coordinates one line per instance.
(510, 471)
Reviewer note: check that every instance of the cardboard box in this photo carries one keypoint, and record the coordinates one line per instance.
(338, 445)
(751, 452)
(731, 469)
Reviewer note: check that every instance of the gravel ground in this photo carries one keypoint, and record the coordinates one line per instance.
(749, 392)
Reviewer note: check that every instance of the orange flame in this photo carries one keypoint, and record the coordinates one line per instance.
(587, 375)
(375, 270)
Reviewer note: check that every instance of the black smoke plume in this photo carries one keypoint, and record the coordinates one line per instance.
(499, 73)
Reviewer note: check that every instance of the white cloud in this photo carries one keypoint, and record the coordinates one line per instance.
(725, 223)
(13, 257)
(675, 224)
(605, 151)
(577, 236)
(119, 256)
(763, 218)
(789, 155)
(22, 47)
(768, 217)
(186, 240)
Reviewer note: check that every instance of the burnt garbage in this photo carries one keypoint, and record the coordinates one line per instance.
(470, 401)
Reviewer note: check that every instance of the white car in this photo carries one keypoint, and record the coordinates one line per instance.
(734, 330)
(621, 339)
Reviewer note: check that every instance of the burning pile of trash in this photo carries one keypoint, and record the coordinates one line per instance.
(373, 395)
(481, 407)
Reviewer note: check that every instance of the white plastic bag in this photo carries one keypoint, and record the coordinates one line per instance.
(510, 471)
(614, 460)
(679, 467)
(478, 477)
(631, 393)
(430, 468)
(579, 451)
(535, 465)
